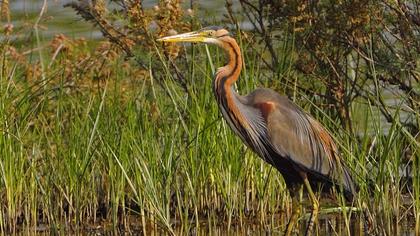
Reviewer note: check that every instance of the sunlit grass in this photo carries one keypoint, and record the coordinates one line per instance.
(74, 157)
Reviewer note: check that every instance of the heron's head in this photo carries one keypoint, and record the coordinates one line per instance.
(213, 35)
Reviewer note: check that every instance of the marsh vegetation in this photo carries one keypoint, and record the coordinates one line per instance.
(122, 133)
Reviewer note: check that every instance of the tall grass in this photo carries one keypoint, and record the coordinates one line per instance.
(143, 154)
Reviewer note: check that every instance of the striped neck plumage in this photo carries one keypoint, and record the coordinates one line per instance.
(227, 75)
(243, 120)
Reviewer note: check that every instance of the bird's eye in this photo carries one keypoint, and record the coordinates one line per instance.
(212, 33)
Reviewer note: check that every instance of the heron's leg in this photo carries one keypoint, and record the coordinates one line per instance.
(315, 206)
(296, 210)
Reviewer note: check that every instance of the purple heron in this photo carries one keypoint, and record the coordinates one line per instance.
(276, 129)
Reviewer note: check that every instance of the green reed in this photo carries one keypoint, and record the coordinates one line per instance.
(73, 157)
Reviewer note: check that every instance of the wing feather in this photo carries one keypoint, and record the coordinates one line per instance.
(295, 135)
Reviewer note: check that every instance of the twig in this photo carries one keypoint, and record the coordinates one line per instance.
(38, 41)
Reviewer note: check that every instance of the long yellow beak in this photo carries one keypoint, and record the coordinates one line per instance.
(186, 37)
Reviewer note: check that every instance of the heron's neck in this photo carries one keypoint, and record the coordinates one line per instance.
(227, 75)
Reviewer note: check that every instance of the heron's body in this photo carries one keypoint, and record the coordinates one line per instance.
(303, 148)
(278, 131)
(275, 128)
